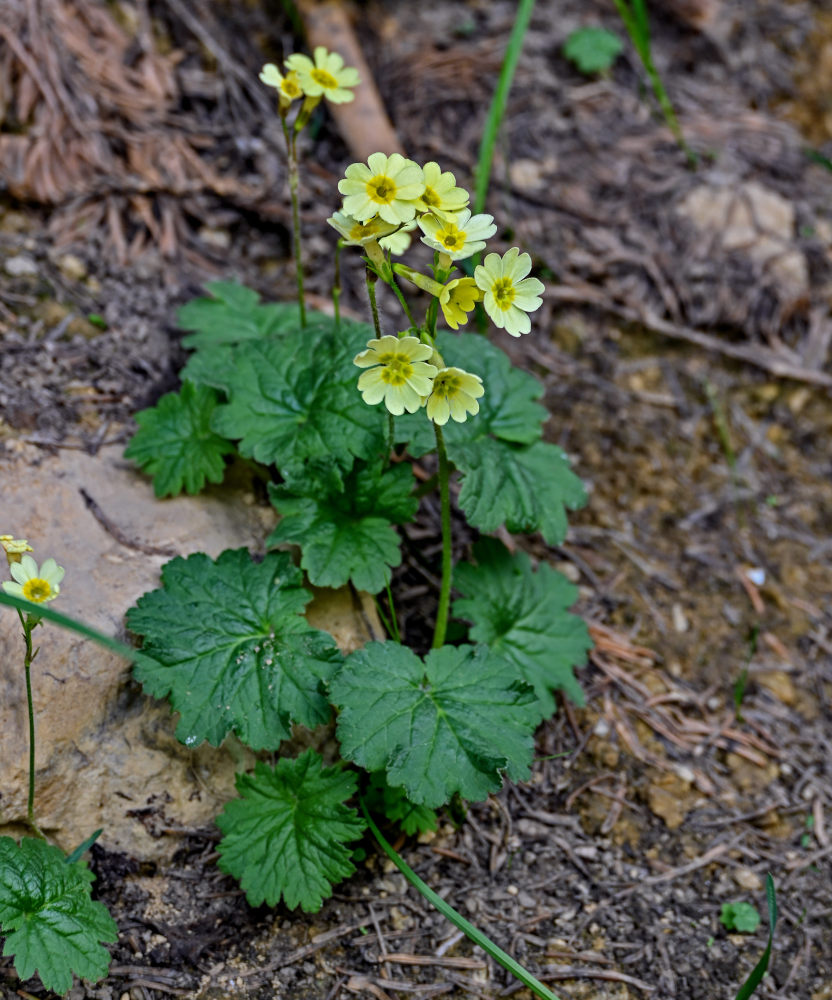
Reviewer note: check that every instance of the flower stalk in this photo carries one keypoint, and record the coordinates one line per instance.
(447, 567)
(294, 186)
(29, 624)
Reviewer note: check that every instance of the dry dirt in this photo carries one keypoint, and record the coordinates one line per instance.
(705, 547)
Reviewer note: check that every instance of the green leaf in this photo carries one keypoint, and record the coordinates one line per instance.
(285, 835)
(175, 444)
(347, 533)
(397, 807)
(233, 314)
(296, 399)
(741, 917)
(526, 488)
(228, 642)
(592, 49)
(522, 615)
(211, 367)
(51, 925)
(451, 724)
(508, 410)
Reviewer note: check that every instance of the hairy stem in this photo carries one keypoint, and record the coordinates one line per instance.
(447, 568)
(28, 628)
(371, 279)
(403, 301)
(294, 184)
(336, 286)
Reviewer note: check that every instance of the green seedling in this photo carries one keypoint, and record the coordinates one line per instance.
(592, 49)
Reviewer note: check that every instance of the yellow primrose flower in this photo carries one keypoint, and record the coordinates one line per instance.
(14, 547)
(509, 294)
(457, 299)
(398, 242)
(33, 584)
(288, 87)
(400, 375)
(441, 195)
(455, 394)
(388, 186)
(326, 77)
(457, 236)
(355, 233)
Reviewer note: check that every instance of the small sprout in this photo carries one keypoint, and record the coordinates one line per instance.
(741, 917)
(592, 49)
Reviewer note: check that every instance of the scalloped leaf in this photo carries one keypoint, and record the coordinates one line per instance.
(228, 643)
(452, 723)
(397, 807)
(346, 533)
(51, 925)
(522, 615)
(175, 444)
(285, 835)
(296, 399)
(231, 314)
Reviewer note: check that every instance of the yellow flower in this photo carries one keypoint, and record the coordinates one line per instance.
(509, 294)
(14, 547)
(33, 584)
(455, 394)
(288, 87)
(441, 195)
(400, 375)
(388, 186)
(457, 299)
(326, 77)
(398, 242)
(356, 233)
(457, 236)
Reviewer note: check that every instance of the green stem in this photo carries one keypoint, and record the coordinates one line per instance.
(391, 436)
(394, 620)
(294, 184)
(336, 286)
(447, 567)
(28, 628)
(473, 933)
(403, 301)
(371, 278)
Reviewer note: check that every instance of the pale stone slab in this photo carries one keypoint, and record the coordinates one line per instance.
(106, 754)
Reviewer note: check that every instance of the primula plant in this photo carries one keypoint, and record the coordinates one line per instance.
(51, 925)
(335, 412)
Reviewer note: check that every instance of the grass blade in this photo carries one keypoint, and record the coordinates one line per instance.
(477, 936)
(761, 967)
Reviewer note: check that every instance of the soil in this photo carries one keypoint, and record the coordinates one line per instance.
(704, 550)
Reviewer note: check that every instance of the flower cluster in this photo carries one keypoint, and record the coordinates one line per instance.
(325, 75)
(33, 583)
(387, 198)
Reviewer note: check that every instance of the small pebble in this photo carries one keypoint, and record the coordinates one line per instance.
(20, 266)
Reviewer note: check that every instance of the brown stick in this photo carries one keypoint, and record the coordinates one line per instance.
(363, 123)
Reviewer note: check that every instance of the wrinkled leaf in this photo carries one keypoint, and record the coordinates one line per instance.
(233, 313)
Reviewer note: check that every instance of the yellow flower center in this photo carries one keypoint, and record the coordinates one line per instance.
(503, 292)
(430, 197)
(290, 87)
(37, 590)
(324, 78)
(381, 189)
(452, 238)
(397, 371)
(446, 385)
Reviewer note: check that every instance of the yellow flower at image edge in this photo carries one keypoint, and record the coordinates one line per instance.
(14, 547)
(455, 394)
(398, 373)
(385, 185)
(33, 584)
(508, 294)
(326, 77)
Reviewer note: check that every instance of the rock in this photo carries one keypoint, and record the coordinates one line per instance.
(72, 267)
(106, 754)
(20, 266)
(669, 797)
(752, 219)
(747, 879)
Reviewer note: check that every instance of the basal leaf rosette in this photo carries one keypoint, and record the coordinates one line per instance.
(285, 836)
(508, 295)
(451, 723)
(50, 924)
(398, 373)
(346, 531)
(226, 640)
(522, 615)
(388, 186)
